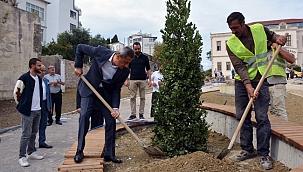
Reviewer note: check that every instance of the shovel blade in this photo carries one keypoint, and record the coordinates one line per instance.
(223, 153)
(153, 151)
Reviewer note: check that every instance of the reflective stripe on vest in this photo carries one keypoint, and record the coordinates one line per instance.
(279, 65)
(256, 61)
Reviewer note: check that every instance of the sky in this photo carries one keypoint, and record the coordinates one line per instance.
(127, 17)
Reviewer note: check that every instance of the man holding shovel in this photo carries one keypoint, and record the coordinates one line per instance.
(107, 72)
(247, 50)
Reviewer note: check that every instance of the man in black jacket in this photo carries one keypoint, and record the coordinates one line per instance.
(139, 68)
(28, 96)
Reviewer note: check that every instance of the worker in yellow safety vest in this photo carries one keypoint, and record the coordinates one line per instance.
(247, 50)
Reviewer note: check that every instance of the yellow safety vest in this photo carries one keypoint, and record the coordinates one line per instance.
(279, 65)
(256, 61)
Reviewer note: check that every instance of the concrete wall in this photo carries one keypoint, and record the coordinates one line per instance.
(280, 150)
(19, 42)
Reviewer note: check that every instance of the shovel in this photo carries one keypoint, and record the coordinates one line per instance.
(225, 151)
(148, 149)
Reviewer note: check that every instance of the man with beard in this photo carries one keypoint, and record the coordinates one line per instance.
(139, 67)
(28, 96)
(247, 50)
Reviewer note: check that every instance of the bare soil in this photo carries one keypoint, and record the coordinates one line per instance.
(134, 157)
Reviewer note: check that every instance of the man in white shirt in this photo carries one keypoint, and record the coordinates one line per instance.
(28, 96)
(156, 82)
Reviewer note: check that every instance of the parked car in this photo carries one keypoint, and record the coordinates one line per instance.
(297, 74)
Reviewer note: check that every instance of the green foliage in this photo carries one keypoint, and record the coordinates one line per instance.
(181, 127)
(158, 48)
(98, 40)
(295, 67)
(115, 39)
(207, 73)
(67, 42)
(53, 48)
(208, 55)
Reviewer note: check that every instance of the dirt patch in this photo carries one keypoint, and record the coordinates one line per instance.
(136, 160)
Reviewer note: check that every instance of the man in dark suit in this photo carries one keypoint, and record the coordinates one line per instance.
(96, 118)
(108, 71)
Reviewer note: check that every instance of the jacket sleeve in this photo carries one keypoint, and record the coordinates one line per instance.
(83, 49)
(19, 87)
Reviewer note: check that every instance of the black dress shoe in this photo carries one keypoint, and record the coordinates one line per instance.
(49, 123)
(58, 122)
(112, 158)
(79, 156)
(45, 146)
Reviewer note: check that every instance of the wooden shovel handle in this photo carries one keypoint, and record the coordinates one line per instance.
(251, 99)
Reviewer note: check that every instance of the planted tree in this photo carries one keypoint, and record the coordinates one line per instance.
(181, 127)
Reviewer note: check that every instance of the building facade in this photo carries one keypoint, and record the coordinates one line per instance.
(294, 44)
(56, 16)
(38, 7)
(147, 42)
(116, 46)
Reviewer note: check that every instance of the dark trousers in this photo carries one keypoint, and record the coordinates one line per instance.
(87, 106)
(263, 124)
(154, 96)
(97, 118)
(43, 123)
(57, 103)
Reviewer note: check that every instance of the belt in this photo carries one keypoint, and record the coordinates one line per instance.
(56, 93)
(44, 100)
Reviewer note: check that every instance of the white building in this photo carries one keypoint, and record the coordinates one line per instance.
(56, 16)
(294, 44)
(40, 8)
(62, 16)
(147, 42)
(116, 46)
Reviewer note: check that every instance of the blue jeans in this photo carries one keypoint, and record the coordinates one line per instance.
(43, 123)
(263, 124)
(30, 125)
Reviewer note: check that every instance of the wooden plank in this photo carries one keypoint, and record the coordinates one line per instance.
(85, 161)
(80, 167)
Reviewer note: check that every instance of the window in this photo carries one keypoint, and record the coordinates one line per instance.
(288, 42)
(137, 40)
(218, 45)
(73, 14)
(151, 39)
(35, 9)
(41, 33)
(72, 26)
(227, 65)
(219, 66)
